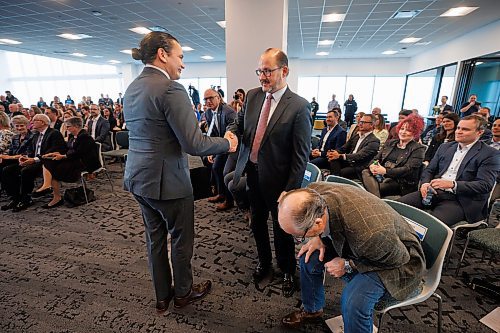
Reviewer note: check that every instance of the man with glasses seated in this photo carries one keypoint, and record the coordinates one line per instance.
(357, 237)
(350, 160)
(218, 117)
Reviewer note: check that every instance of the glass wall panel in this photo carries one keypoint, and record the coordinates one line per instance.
(362, 90)
(308, 88)
(447, 83)
(328, 86)
(387, 95)
(486, 84)
(419, 90)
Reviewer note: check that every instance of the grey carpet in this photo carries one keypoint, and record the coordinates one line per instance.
(84, 269)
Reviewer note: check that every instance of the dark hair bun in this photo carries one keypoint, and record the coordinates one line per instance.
(136, 53)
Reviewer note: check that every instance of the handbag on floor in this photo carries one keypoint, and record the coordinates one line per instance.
(75, 196)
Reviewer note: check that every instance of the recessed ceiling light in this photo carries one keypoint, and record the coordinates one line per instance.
(96, 13)
(158, 28)
(140, 30)
(222, 24)
(96, 56)
(76, 54)
(187, 48)
(74, 36)
(126, 51)
(389, 52)
(410, 40)
(333, 17)
(114, 62)
(207, 57)
(326, 42)
(459, 11)
(423, 43)
(405, 14)
(9, 41)
(322, 53)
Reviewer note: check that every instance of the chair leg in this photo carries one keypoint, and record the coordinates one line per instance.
(379, 325)
(450, 249)
(440, 312)
(110, 182)
(85, 190)
(462, 257)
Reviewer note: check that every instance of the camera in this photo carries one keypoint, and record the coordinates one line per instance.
(236, 97)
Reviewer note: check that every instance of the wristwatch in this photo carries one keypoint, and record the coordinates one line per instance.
(347, 267)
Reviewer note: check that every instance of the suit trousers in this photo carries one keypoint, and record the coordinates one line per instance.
(218, 175)
(174, 217)
(321, 162)
(344, 169)
(261, 204)
(445, 206)
(19, 181)
(388, 187)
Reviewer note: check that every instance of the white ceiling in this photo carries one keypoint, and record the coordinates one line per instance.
(366, 31)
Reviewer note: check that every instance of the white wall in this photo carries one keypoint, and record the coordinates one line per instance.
(477, 43)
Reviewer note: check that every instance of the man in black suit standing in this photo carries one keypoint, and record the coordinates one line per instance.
(275, 125)
(462, 173)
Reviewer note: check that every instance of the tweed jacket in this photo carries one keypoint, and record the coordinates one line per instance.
(379, 238)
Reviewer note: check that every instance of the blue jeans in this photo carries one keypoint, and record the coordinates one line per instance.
(361, 293)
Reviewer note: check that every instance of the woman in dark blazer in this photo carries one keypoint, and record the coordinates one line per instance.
(20, 142)
(82, 155)
(447, 134)
(396, 168)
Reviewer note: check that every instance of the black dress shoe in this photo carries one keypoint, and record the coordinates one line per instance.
(288, 286)
(198, 291)
(261, 272)
(10, 205)
(42, 193)
(57, 204)
(162, 306)
(22, 205)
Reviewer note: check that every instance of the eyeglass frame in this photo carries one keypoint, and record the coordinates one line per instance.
(210, 98)
(266, 72)
(365, 122)
(300, 240)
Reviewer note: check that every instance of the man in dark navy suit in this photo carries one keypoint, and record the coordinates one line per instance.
(462, 173)
(332, 137)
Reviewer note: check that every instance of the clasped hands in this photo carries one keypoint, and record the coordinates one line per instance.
(315, 153)
(332, 155)
(377, 169)
(437, 184)
(335, 267)
(53, 156)
(233, 141)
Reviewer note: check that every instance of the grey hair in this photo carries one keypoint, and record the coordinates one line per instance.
(4, 119)
(74, 121)
(20, 119)
(43, 117)
(311, 208)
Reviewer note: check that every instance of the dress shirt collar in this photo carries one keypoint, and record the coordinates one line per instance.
(158, 68)
(362, 136)
(278, 94)
(466, 147)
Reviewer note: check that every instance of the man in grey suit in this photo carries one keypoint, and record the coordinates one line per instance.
(275, 125)
(162, 129)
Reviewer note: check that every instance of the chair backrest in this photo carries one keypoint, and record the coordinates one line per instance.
(311, 175)
(122, 139)
(434, 234)
(314, 142)
(342, 180)
(99, 152)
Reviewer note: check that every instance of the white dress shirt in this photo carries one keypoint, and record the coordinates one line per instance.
(274, 101)
(362, 137)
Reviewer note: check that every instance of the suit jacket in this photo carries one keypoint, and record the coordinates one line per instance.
(101, 132)
(335, 140)
(161, 131)
(376, 238)
(18, 148)
(286, 144)
(366, 151)
(227, 115)
(84, 149)
(52, 141)
(475, 177)
(406, 170)
(447, 107)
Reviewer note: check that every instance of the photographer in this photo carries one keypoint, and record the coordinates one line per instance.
(470, 107)
(238, 99)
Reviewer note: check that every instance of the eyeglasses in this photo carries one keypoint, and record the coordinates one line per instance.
(209, 98)
(300, 240)
(365, 122)
(266, 72)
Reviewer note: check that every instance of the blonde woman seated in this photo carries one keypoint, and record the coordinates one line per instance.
(82, 155)
(380, 131)
(396, 168)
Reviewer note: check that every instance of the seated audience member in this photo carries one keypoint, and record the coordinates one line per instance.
(398, 163)
(98, 128)
(353, 157)
(462, 173)
(19, 179)
(218, 117)
(470, 107)
(447, 134)
(376, 111)
(382, 255)
(496, 135)
(19, 143)
(53, 114)
(108, 115)
(14, 110)
(342, 123)
(487, 135)
(393, 133)
(41, 103)
(82, 155)
(379, 129)
(119, 116)
(432, 129)
(64, 131)
(354, 127)
(85, 116)
(332, 137)
(5, 133)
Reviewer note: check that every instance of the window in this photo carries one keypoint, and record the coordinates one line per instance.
(419, 89)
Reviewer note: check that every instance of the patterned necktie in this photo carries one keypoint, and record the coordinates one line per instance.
(261, 129)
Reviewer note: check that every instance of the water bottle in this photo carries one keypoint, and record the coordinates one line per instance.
(427, 201)
(379, 178)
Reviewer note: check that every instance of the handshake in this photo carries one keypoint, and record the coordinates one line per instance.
(233, 141)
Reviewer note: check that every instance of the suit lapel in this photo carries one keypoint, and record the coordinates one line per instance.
(278, 112)
(252, 117)
(473, 151)
(448, 157)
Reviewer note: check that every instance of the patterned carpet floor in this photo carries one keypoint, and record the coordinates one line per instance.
(84, 269)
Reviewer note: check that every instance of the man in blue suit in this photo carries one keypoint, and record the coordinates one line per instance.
(332, 137)
(462, 173)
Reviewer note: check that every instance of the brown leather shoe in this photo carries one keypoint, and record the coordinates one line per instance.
(217, 198)
(162, 306)
(297, 318)
(198, 291)
(226, 205)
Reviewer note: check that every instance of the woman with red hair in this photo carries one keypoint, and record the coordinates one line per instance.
(396, 168)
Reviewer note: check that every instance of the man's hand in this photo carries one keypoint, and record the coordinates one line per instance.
(233, 141)
(442, 184)
(312, 245)
(24, 160)
(336, 267)
(210, 159)
(332, 155)
(378, 169)
(315, 153)
(423, 189)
